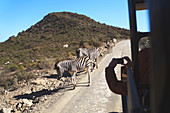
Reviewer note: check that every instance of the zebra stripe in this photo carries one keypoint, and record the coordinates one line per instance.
(93, 54)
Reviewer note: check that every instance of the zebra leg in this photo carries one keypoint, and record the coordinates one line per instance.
(89, 76)
(96, 60)
(73, 80)
(93, 65)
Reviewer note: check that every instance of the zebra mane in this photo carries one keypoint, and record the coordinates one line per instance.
(60, 61)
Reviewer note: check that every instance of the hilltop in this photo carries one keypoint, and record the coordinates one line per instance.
(42, 44)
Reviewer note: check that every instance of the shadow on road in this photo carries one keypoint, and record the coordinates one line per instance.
(34, 95)
(114, 112)
(43, 92)
(82, 84)
(53, 76)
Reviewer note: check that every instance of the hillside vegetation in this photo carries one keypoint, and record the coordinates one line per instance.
(41, 45)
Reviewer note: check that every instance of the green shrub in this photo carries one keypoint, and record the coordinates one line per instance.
(58, 59)
(12, 67)
(6, 85)
(96, 43)
(23, 75)
(71, 54)
(15, 83)
(21, 67)
(86, 45)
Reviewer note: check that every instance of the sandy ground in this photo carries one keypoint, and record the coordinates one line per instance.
(94, 99)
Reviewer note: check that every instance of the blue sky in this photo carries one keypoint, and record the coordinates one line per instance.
(18, 15)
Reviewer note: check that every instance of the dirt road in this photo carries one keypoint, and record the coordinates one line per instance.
(94, 99)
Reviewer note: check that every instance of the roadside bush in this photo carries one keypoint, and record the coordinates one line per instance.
(74, 43)
(12, 81)
(15, 83)
(40, 66)
(23, 75)
(12, 67)
(96, 43)
(6, 85)
(21, 67)
(57, 59)
(71, 54)
(86, 45)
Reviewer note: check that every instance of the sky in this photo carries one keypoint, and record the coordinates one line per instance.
(19, 15)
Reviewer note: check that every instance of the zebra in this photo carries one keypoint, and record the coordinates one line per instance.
(73, 66)
(93, 54)
(109, 46)
(82, 52)
(114, 41)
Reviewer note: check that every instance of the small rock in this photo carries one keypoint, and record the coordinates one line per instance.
(61, 84)
(6, 110)
(51, 88)
(33, 89)
(41, 99)
(36, 100)
(63, 79)
(28, 92)
(5, 92)
(27, 102)
(12, 102)
(39, 82)
(45, 97)
(15, 110)
(18, 106)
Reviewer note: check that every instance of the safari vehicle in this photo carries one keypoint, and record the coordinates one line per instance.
(159, 91)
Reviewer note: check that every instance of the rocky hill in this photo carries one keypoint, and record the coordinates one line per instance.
(41, 45)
